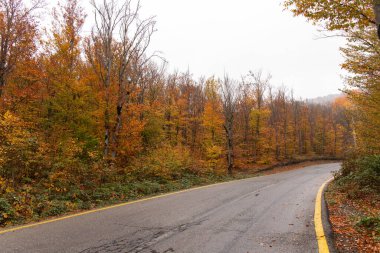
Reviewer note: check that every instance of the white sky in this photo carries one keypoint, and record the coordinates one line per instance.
(213, 37)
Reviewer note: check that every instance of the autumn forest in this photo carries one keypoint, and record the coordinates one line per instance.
(88, 119)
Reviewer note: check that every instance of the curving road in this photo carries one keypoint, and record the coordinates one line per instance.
(264, 214)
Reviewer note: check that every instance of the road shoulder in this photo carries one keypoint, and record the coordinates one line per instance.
(350, 221)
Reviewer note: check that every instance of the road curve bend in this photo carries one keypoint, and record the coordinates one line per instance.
(264, 214)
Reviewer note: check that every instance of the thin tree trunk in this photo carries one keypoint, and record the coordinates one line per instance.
(277, 145)
(2, 85)
(119, 123)
(116, 130)
(106, 134)
(230, 151)
(107, 126)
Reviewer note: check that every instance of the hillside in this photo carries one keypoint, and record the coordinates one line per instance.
(325, 99)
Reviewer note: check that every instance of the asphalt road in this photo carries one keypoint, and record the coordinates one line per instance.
(264, 214)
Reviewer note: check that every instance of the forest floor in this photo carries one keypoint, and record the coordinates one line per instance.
(355, 220)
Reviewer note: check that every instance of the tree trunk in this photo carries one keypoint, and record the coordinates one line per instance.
(230, 150)
(257, 137)
(2, 84)
(277, 145)
(122, 100)
(107, 126)
(107, 133)
(116, 130)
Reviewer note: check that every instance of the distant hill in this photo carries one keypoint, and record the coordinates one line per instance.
(325, 99)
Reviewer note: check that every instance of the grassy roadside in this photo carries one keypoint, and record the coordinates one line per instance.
(115, 193)
(353, 201)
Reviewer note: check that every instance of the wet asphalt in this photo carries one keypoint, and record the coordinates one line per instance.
(259, 215)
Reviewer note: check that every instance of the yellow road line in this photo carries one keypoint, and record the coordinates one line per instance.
(320, 233)
(114, 206)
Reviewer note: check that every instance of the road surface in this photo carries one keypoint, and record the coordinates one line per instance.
(265, 214)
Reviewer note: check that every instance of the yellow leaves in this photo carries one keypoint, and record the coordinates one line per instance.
(259, 116)
(9, 120)
(214, 152)
(165, 163)
(5, 186)
(211, 91)
(58, 181)
(13, 134)
(71, 205)
(212, 116)
(93, 154)
(213, 140)
(362, 60)
(342, 102)
(334, 14)
(71, 147)
(214, 156)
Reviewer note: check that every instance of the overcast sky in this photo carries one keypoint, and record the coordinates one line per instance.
(213, 37)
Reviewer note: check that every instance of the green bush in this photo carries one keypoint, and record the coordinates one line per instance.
(153, 131)
(147, 187)
(84, 205)
(41, 203)
(370, 223)
(6, 211)
(361, 174)
(102, 193)
(55, 208)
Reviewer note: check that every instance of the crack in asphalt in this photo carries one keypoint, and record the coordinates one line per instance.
(124, 245)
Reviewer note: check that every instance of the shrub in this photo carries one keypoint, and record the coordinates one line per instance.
(371, 223)
(6, 211)
(161, 165)
(147, 187)
(103, 193)
(55, 208)
(360, 176)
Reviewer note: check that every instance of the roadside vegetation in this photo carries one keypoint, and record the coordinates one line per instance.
(354, 203)
(89, 119)
(354, 196)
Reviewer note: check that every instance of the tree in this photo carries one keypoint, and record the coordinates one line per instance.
(356, 21)
(18, 34)
(212, 119)
(260, 85)
(246, 105)
(69, 103)
(17, 148)
(338, 15)
(362, 59)
(212, 123)
(117, 59)
(229, 102)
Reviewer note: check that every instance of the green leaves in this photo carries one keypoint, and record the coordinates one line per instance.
(6, 211)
